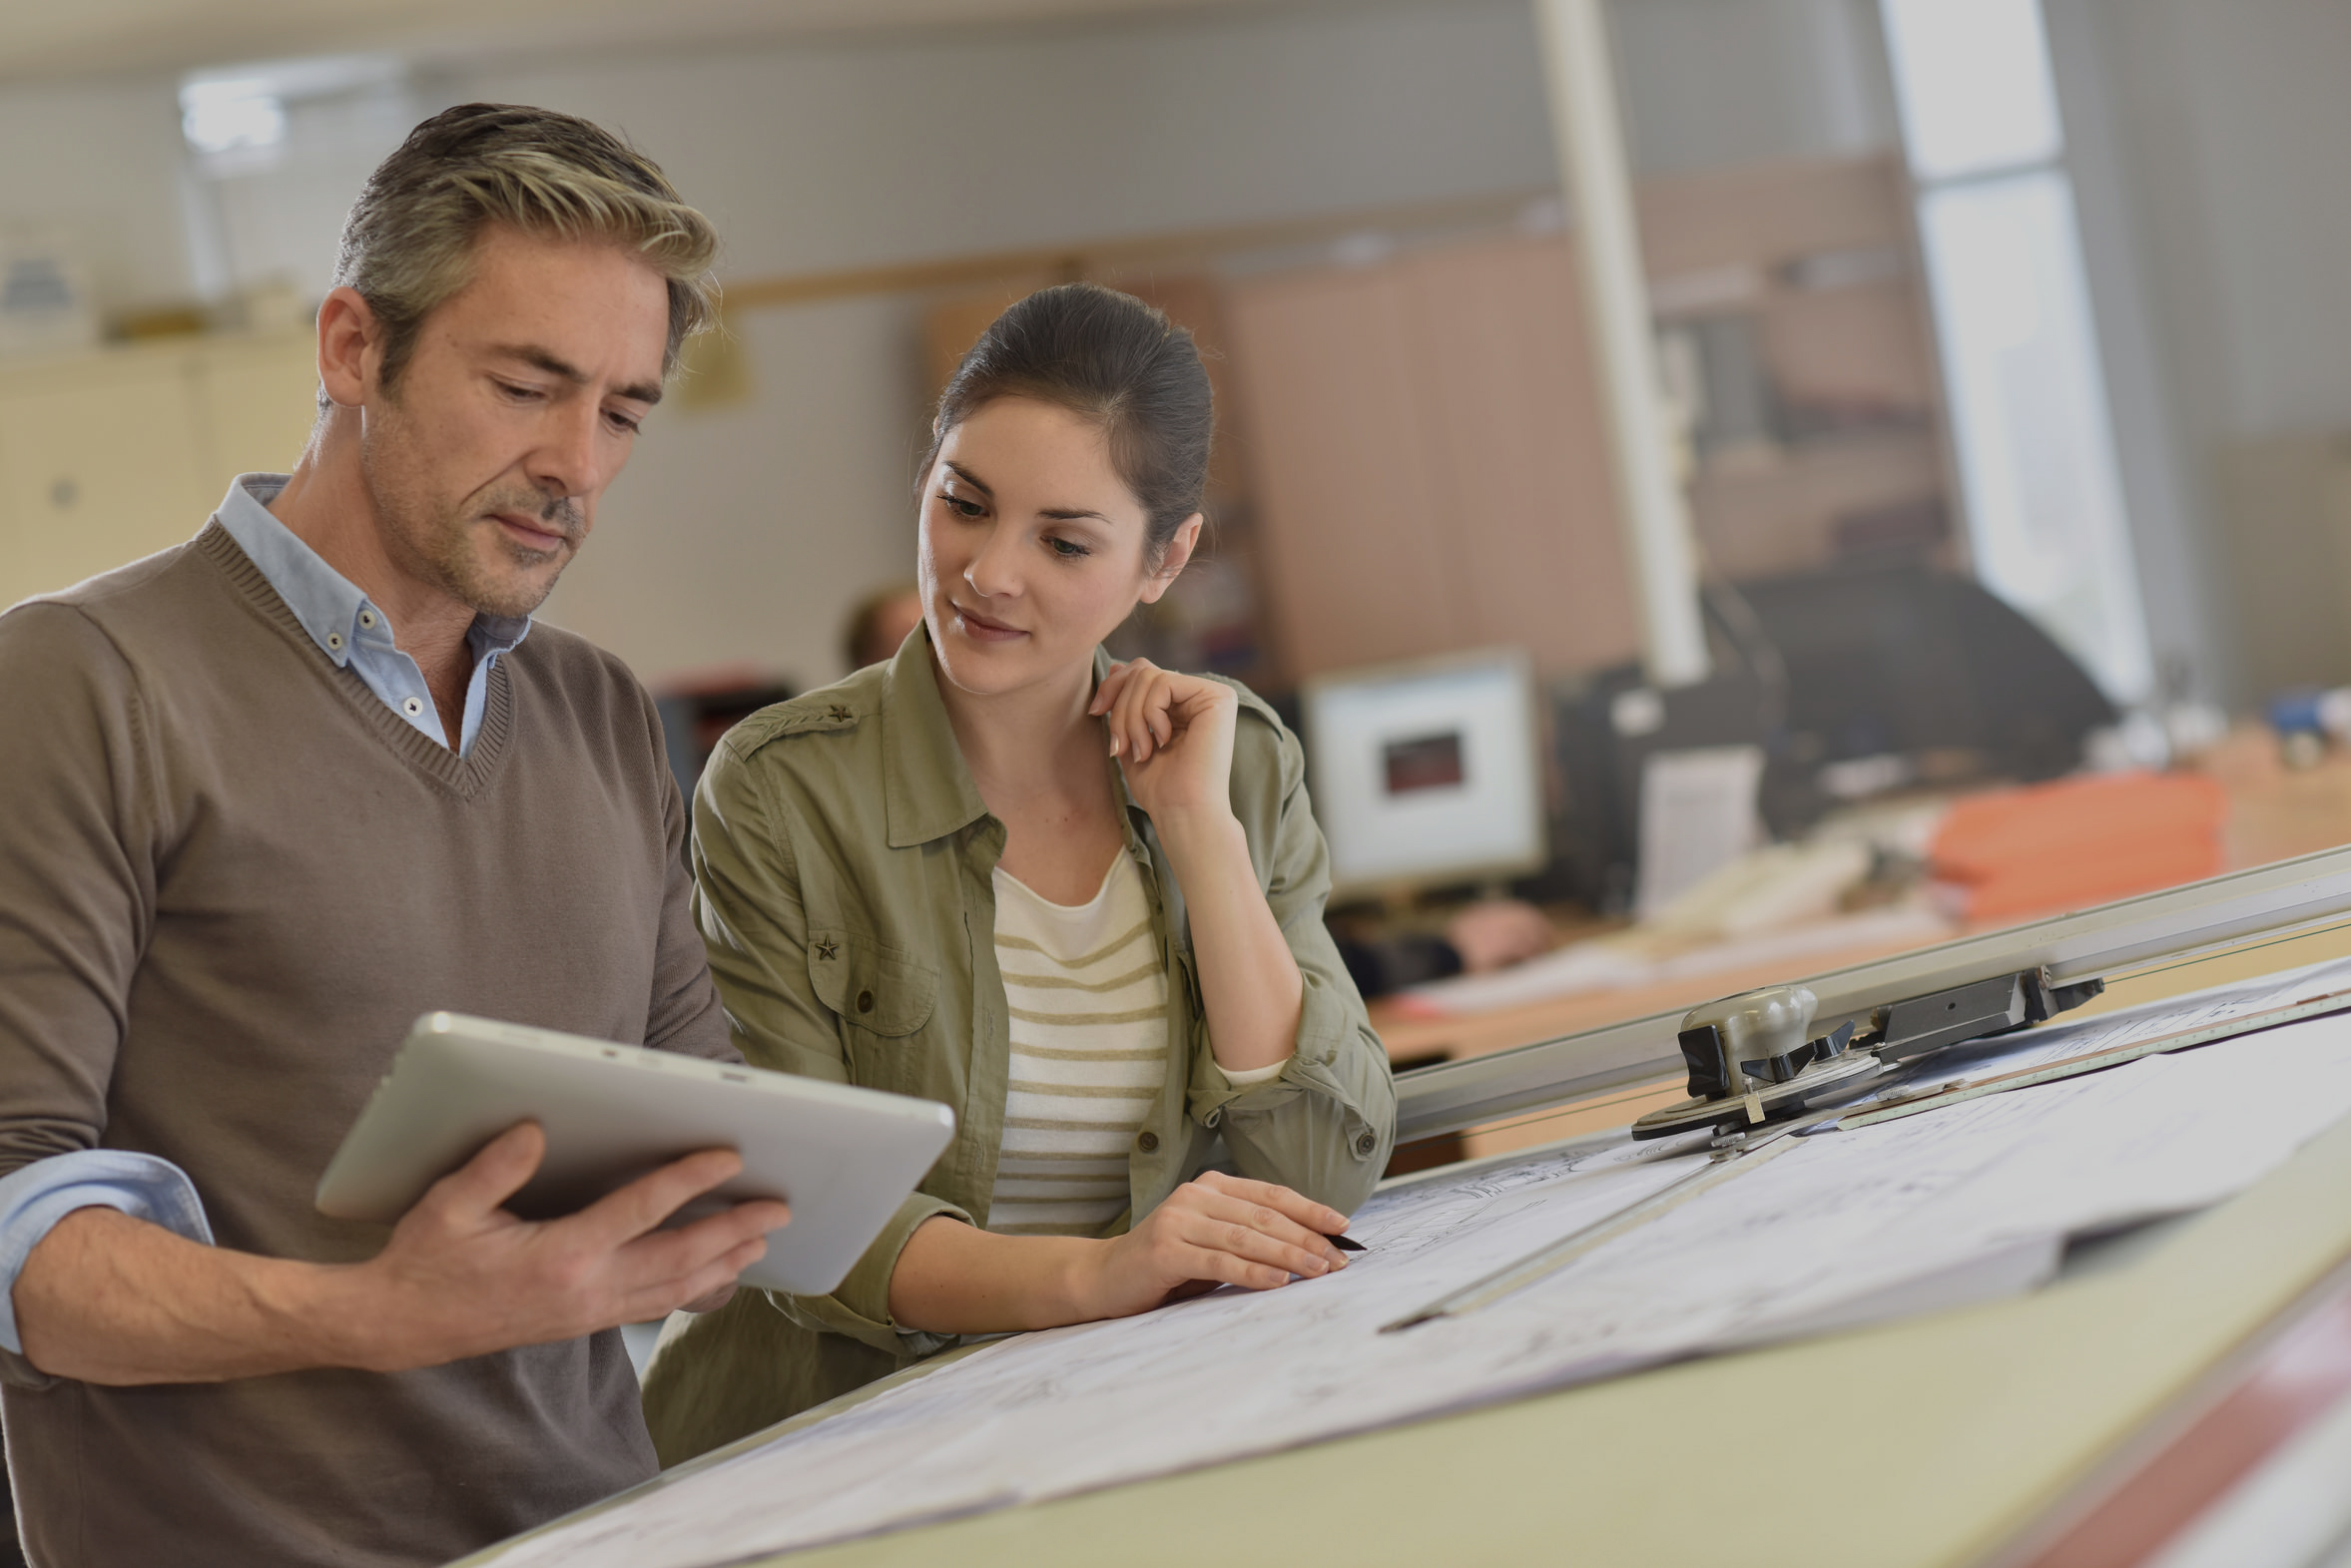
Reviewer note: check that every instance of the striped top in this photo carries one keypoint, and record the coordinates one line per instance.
(1088, 999)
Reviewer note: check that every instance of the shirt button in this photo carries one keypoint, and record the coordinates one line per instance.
(367, 618)
(411, 708)
(864, 1001)
(335, 642)
(1147, 1142)
(1365, 1143)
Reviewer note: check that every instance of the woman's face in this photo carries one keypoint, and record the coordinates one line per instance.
(1031, 547)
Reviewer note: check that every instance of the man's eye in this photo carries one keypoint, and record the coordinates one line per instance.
(624, 424)
(521, 393)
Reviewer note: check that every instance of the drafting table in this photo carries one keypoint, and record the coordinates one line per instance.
(1942, 1440)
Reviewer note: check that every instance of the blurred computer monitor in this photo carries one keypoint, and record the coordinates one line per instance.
(1426, 775)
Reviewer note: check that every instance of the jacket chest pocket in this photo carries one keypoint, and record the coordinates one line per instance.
(881, 995)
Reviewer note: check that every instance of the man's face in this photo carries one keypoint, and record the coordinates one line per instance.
(518, 406)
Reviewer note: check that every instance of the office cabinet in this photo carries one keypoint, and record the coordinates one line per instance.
(255, 403)
(108, 458)
(1428, 447)
(1427, 459)
(100, 465)
(2285, 503)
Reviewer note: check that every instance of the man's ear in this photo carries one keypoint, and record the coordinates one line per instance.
(1179, 556)
(350, 348)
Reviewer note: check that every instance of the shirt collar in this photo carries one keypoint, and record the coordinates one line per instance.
(927, 788)
(329, 605)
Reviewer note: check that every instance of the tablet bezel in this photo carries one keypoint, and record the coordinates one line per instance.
(845, 1158)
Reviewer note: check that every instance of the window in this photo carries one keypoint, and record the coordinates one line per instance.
(2032, 431)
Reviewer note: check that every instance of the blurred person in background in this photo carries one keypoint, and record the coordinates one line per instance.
(882, 620)
(273, 794)
(1079, 901)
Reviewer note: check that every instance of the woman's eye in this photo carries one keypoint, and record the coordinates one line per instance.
(961, 506)
(1069, 550)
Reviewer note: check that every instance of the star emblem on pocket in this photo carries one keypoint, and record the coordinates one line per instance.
(828, 949)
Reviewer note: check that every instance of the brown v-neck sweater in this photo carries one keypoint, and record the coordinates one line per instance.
(229, 880)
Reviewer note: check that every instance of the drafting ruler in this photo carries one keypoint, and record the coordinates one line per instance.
(1740, 1152)
(1919, 1001)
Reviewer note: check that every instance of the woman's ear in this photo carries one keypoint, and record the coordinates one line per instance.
(1178, 556)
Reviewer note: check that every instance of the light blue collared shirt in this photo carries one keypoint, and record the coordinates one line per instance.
(352, 633)
(346, 625)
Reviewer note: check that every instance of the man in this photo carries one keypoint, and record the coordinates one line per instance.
(267, 797)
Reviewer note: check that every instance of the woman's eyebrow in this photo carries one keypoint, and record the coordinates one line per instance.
(970, 478)
(1064, 514)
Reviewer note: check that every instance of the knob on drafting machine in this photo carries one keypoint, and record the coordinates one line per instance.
(1752, 1057)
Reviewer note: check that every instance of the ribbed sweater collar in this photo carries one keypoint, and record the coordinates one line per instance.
(464, 775)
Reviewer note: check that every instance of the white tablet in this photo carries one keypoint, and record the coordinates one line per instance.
(844, 1158)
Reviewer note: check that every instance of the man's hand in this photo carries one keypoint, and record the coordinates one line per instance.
(462, 1277)
(107, 1299)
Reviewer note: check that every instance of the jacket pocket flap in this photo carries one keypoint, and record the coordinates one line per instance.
(870, 983)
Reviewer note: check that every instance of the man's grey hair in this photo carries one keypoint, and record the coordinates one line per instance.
(410, 240)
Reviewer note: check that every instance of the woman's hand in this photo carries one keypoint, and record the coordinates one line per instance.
(1214, 1230)
(1173, 736)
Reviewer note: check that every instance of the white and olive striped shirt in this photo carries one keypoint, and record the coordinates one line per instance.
(1088, 998)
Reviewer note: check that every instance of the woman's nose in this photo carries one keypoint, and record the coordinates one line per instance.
(991, 570)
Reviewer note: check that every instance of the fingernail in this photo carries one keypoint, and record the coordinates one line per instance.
(1318, 1266)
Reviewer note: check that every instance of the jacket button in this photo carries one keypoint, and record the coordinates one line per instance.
(1366, 1143)
(864, 1001)
(1147, 1142)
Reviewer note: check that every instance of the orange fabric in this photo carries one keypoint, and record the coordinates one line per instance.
(2079, 841)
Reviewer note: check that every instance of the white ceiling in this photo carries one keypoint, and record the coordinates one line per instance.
(55, 38)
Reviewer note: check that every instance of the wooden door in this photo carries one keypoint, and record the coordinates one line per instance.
(1351, 507)
(1428, 460)
(1513, 418)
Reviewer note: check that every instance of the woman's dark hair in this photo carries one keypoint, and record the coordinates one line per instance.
(1108, 357)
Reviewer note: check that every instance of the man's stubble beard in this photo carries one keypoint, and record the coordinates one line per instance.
(433, 540)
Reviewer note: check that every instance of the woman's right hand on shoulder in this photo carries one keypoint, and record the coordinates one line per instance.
(1214, 1230)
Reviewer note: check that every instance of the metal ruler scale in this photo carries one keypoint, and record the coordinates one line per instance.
(1895, 1108)
(2092, 945)
(1750, 1151)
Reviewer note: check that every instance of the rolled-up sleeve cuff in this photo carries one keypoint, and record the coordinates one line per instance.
(35, 1198)
(860, 1308)
(1248, 1077)
(1324, 1023)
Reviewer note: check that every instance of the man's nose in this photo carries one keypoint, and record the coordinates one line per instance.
(569, 457)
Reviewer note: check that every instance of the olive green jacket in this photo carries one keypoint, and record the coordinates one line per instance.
(843, 869)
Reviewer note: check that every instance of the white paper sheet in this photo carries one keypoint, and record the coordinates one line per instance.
(1945, 1207)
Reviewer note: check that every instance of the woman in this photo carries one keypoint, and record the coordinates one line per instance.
(1079, 902)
